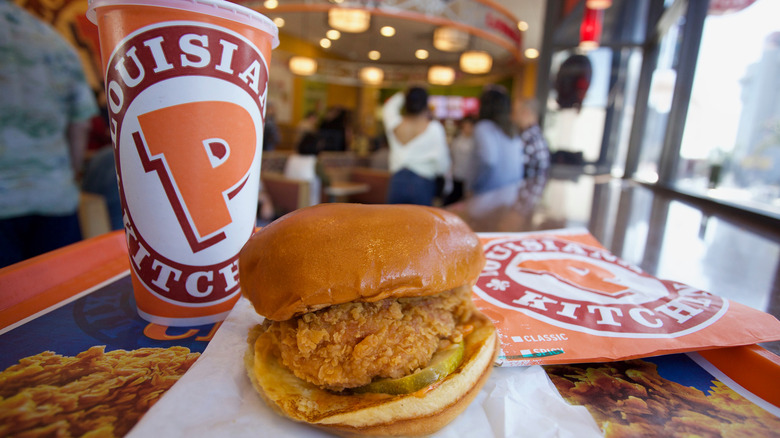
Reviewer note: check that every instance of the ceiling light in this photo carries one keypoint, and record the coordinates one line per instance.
(333, 34)
(374, 55)
(421, 54)
(387, 31)
(325, 43)
(441, 75)
(349, 20)
(302, 65)
(531, 53)
(598, 4)
(270, 4)
(279, 21)
(476, 62)
(522, 26)
(371, 75)
(450, 39)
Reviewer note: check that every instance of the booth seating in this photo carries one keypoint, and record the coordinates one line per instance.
(377, 180)
(337, 165)
(273, 161)
(286, 194)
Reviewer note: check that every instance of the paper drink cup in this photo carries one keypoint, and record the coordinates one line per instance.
(186, 88)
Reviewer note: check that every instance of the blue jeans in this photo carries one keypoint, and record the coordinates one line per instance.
(406, 187)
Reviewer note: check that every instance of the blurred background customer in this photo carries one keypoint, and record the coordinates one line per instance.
(418, 148)
(463, 160)
(271, 135)
(499, 152)
(535, 149)
(303, 165)
(45, 110)
(335, 129)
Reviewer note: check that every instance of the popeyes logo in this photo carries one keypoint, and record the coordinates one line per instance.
(587, 289)
(186, 106)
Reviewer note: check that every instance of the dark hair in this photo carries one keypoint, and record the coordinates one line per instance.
(496, 106)
(416, 101)
(468, 119)
(309, 144)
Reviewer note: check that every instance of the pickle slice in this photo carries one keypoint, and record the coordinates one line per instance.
(442, 364)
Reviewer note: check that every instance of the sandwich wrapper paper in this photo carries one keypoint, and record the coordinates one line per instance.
(559, 297)
(216, 399)
(556, 297)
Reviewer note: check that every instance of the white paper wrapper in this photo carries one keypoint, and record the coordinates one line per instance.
(216, 399)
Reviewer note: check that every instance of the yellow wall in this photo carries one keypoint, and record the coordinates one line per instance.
(338, 95)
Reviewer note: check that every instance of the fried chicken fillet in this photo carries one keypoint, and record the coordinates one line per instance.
(348, 345)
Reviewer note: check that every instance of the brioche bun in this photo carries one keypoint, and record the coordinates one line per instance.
(331, 254)
(416, 414)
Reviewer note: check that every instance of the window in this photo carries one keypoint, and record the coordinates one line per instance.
(730, 148)
(659, 104)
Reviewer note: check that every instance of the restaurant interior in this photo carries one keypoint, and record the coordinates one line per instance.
(662, 120)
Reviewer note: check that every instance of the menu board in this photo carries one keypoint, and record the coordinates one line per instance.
(453, 107)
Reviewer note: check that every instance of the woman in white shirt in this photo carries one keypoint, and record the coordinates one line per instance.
(303, 165)
(418, 148)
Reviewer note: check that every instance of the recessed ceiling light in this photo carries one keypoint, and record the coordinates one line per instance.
(421, 54)
(522, 26)
(325, 43)
(531, 53)
(270, 4)
(374, 55)
(387, 31)
(279, 21)
(333, 34)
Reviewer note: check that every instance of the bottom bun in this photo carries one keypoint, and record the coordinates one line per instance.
(417, 414)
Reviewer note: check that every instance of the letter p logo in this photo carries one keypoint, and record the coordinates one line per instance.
(201, 167)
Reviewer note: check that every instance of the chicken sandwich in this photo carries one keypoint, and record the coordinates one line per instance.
(369, 325)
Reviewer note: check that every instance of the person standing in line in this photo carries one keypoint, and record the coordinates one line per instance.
(463, 161)
(271, 135)
(335, 129)
(304, 165)
(535, 149)
(46, 108)
(307, 125)
(418, 148)
(499, 152)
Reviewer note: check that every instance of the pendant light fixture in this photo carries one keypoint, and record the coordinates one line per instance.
(450, 39)
(598, 4)
(441, 75)
(349, 20)
(476, 62)
(303, 65)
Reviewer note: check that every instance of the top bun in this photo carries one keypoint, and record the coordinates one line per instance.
(330, 254)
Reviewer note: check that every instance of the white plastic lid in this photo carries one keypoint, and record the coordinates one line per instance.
(217, 8)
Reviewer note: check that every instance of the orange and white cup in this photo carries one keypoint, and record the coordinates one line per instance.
(186, 88)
